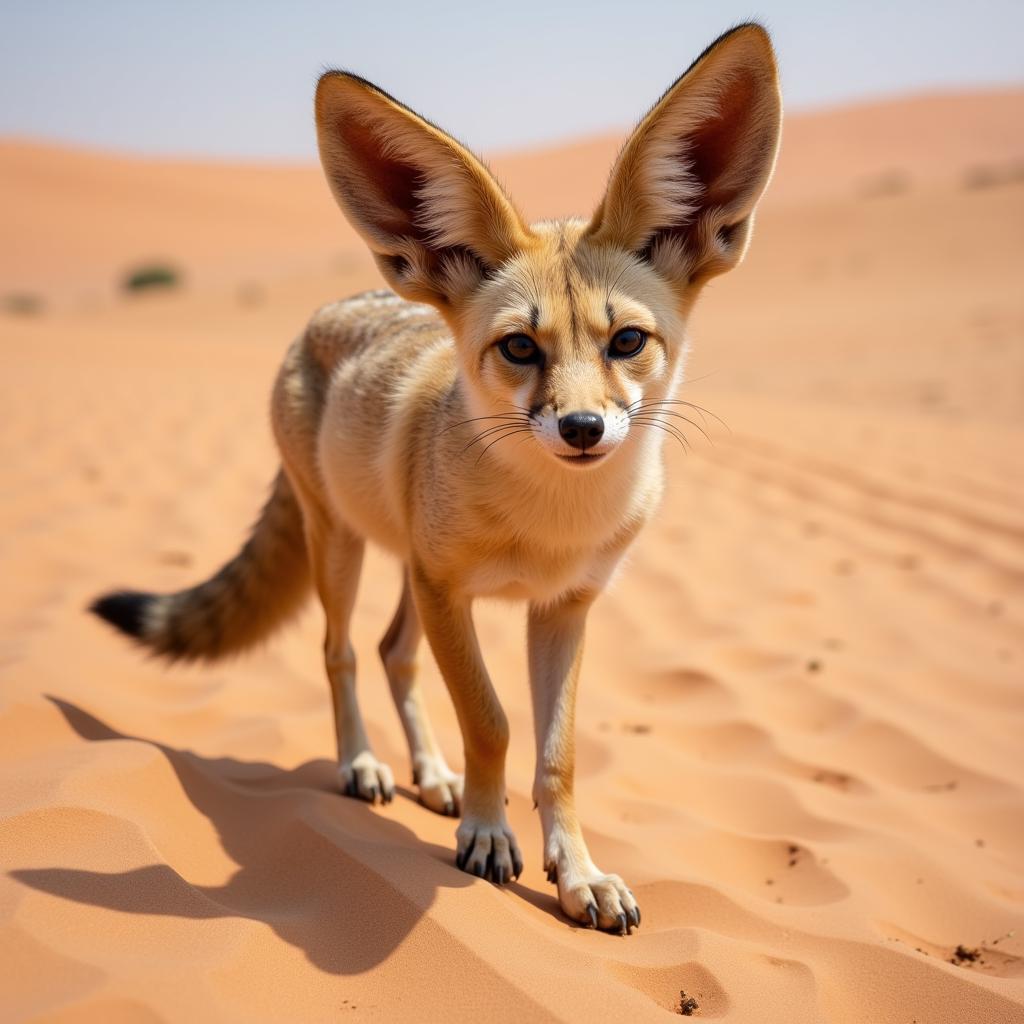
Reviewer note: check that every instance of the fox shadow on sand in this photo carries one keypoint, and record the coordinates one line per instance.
(310, 862)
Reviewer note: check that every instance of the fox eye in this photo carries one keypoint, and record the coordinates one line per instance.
(519, 348)
(626, 343)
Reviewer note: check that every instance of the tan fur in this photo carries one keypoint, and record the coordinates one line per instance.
(404, 424)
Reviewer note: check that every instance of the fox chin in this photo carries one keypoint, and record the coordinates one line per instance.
(496, 419)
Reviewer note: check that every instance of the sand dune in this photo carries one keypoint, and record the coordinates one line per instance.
(75, 221)
(800, 729)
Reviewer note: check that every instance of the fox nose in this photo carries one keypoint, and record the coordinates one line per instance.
(581, 429)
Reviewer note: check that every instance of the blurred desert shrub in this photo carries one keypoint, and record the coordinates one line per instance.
(888, 183)
(151, 276)
(993, 175)
(22, 304)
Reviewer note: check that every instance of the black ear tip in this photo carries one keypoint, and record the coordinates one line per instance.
(753, 28)
(326, 81)
(124, 610)
(331, 81)
(753, 31)
(332, 77)
(331, 74)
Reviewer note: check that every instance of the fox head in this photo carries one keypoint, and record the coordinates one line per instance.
(572, 330)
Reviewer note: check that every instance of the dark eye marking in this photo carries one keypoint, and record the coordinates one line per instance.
(627, 343)
(520, 349)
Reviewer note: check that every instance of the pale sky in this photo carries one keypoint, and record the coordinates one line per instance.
(235, 79)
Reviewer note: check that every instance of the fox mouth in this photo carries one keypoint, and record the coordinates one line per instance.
(584, 458)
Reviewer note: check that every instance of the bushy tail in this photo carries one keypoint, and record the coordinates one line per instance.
(257, 591)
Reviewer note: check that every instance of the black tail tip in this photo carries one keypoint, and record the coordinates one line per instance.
(125, 610)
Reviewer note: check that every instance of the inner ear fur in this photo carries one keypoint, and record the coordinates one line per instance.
(684, 187)
(433, 216)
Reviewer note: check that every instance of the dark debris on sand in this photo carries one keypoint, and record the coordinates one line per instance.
(964, 955)
(687, 1004)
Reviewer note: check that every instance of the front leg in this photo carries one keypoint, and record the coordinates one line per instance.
(486, 846)
(585, 892)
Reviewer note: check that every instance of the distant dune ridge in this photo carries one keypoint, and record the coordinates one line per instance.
(802, 704)
(74, 219)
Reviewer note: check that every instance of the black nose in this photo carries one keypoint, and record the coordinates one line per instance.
(581, 429)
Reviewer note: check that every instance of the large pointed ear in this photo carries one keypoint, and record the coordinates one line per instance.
(683, 190)
(435, 219)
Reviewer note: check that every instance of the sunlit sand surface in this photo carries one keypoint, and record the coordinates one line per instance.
(802, 711)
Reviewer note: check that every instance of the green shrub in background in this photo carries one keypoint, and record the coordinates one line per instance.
(22, 304)
(151, 275)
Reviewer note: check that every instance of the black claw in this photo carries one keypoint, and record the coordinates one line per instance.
(517, 866)
(634, 915)
(489, 867)
(350, 788)
(500, 872)
(623, 924)
(592, 911)
(553, 874)
(461, 858)
(415, 777)
(467, 852)
(373, 795)
(389, 796)
(479, 870)
(449, 809)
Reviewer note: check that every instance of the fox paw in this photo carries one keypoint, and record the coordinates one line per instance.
(488, 850)
(366, 778)
(596, 900)
(439, 787)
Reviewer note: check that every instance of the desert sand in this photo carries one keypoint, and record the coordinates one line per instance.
(801, 728)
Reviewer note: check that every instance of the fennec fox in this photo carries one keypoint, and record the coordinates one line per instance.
(496, 427)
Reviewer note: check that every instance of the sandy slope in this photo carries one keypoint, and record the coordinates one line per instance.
(800, 732)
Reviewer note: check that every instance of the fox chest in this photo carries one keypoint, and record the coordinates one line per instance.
(522, 574)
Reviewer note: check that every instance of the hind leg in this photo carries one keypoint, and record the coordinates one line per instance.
(336, 556)
(439, 787)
